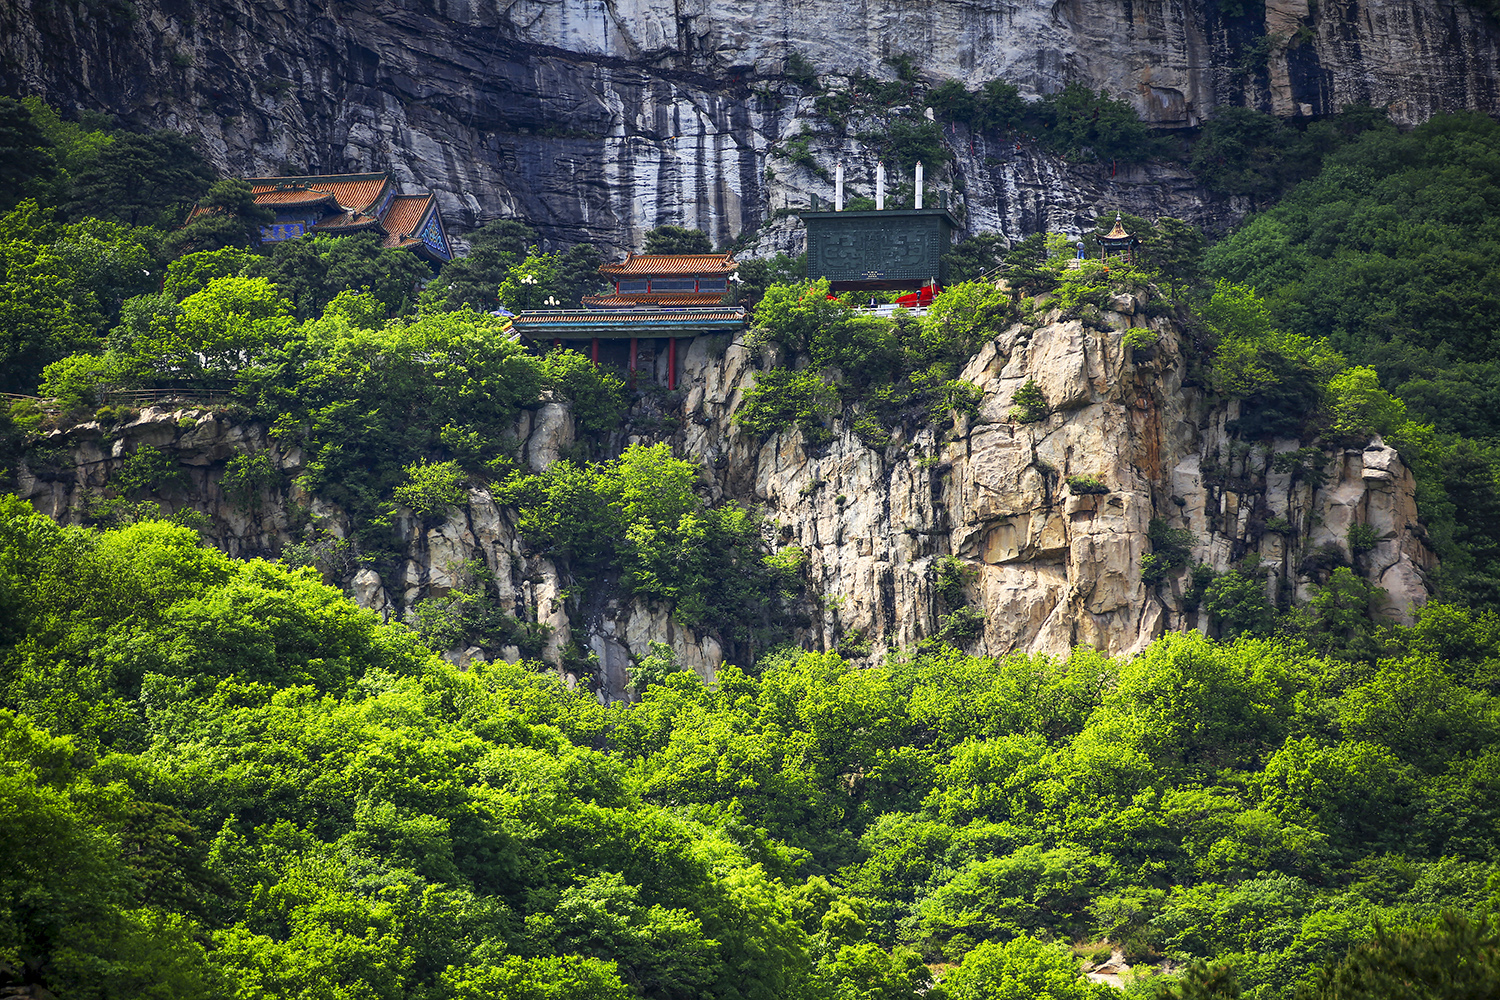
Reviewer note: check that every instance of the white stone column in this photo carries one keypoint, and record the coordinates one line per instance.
(838, 186)
(918, 202)
(880, 187)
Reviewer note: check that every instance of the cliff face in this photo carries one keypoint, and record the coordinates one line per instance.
(601, 120)
(1049, 567)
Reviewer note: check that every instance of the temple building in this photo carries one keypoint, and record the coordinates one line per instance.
(1117, 243)
(671, 280)
(659, 299)
(341, 204)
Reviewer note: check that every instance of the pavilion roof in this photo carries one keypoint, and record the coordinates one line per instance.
(1117, 233)
(686, 263)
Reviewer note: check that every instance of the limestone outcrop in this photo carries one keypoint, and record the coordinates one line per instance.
(1050, 520)
(600, 121)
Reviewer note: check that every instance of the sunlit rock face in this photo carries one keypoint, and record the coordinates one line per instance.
(599, 120)
(1048, 562)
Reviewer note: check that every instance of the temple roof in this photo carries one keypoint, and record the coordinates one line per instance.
(612, 301)
(406, 214)
(359, 192)
(687, 263)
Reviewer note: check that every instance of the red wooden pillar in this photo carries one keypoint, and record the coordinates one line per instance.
(671, 362)
(594, 352)
(633, 342)
(557, 343)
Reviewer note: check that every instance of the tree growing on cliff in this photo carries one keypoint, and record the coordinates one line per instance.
(671, 239)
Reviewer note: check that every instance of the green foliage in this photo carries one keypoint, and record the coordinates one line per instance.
(1086, 486)
(142, 180)
(247, 478)
(760, 273)
(312, 273)
(597, 394)
(227, 216)
(471, 282)
(781, 398)
(147, 470)
(1139, 338)
(1455, 958)
(1361, 407)
(639, 515)
(1079, 123)
(953, 578)
(677, 240)
(216, 772)
(1248, 152)
(1170, 549)
(1030, 404)
(192, 272)
(25, 158)
(1021, 969)
(539, 281)
(1237, 604)
(975, 256)
(431, 488)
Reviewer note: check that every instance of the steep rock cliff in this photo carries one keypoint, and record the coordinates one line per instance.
(1050, 565)
(601, 120)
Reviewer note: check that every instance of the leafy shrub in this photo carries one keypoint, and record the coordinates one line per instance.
(248, 476)
(640, 516)
(80, 380)
(147, 470)
(1170, 549)
(1030, 404)
(953, 578)
(1362, 538)
(431, 488)
(1237, 604)
(1086, 485)
(1361, 407)
(781, 397)
(1140, 338)
(957, 395)
(962, 626)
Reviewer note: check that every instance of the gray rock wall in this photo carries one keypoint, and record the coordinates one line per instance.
(602, 120)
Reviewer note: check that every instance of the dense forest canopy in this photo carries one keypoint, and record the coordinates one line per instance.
(222, 779)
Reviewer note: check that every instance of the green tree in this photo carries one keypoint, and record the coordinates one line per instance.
(228, 216)
(671, 239)
(142, 180)
(25, 158)
(473, 280)
(1020, 969)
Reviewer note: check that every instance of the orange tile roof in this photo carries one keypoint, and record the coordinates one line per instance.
(305, 197)
(347, 222)
(687, 263)
(405, 215)
(655, 298)
(357, 191)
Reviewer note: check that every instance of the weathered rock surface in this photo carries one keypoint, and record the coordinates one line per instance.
(1051, 564)
(601, 120)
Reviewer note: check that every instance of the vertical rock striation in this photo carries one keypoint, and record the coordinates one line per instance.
(601, 120)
